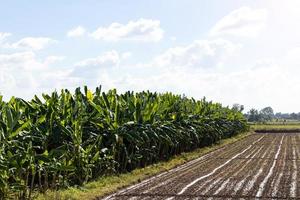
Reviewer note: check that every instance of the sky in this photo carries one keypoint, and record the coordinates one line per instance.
(229, 51)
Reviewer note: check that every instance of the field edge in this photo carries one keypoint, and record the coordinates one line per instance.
(110, 184)
(275, 128)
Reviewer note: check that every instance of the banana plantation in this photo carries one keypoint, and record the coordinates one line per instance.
(66, 139)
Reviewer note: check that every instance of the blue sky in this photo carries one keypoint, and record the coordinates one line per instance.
(245, 52)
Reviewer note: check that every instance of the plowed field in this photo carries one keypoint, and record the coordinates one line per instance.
(261, 166)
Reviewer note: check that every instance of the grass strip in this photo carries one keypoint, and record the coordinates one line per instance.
(109, 184)
(276, 128)
(270, 130)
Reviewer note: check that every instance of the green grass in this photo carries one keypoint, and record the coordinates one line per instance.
(277, 122)
(110, 184)
(276, 127)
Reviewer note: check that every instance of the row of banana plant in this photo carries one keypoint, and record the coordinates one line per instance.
(66, 139)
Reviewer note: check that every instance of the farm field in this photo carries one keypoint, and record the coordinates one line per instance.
(145, 100)
(263, 166)
(276, 127)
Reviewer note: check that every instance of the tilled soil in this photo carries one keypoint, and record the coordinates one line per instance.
(261, 166)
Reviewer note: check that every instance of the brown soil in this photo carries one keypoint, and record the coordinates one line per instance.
(261, 166)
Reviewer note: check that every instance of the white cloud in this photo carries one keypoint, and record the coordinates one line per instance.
(90, 68)
(32, 43)
(53, 59)
(3, 36)
(23, 74)
(106, 59)
(293, 57)
(126, 55)
(199, 54)
(20, 61)
(173, 38)
(140, 30)
(244, 21)
(76, 32)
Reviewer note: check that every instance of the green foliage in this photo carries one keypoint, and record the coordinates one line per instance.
(264, 115)
(68, 139)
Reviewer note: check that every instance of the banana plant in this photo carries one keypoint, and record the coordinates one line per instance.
(64, 139)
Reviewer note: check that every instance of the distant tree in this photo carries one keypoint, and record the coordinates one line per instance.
(254, 115)
(278, 115)
(238, 107)
(267, 113)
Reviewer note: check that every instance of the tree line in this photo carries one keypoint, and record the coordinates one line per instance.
(267, 114)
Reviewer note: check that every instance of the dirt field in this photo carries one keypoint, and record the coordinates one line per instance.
(261, 166)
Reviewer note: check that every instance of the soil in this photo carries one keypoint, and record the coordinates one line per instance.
(261, 166)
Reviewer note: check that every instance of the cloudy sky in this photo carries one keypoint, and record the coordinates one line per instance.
(230, 51)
